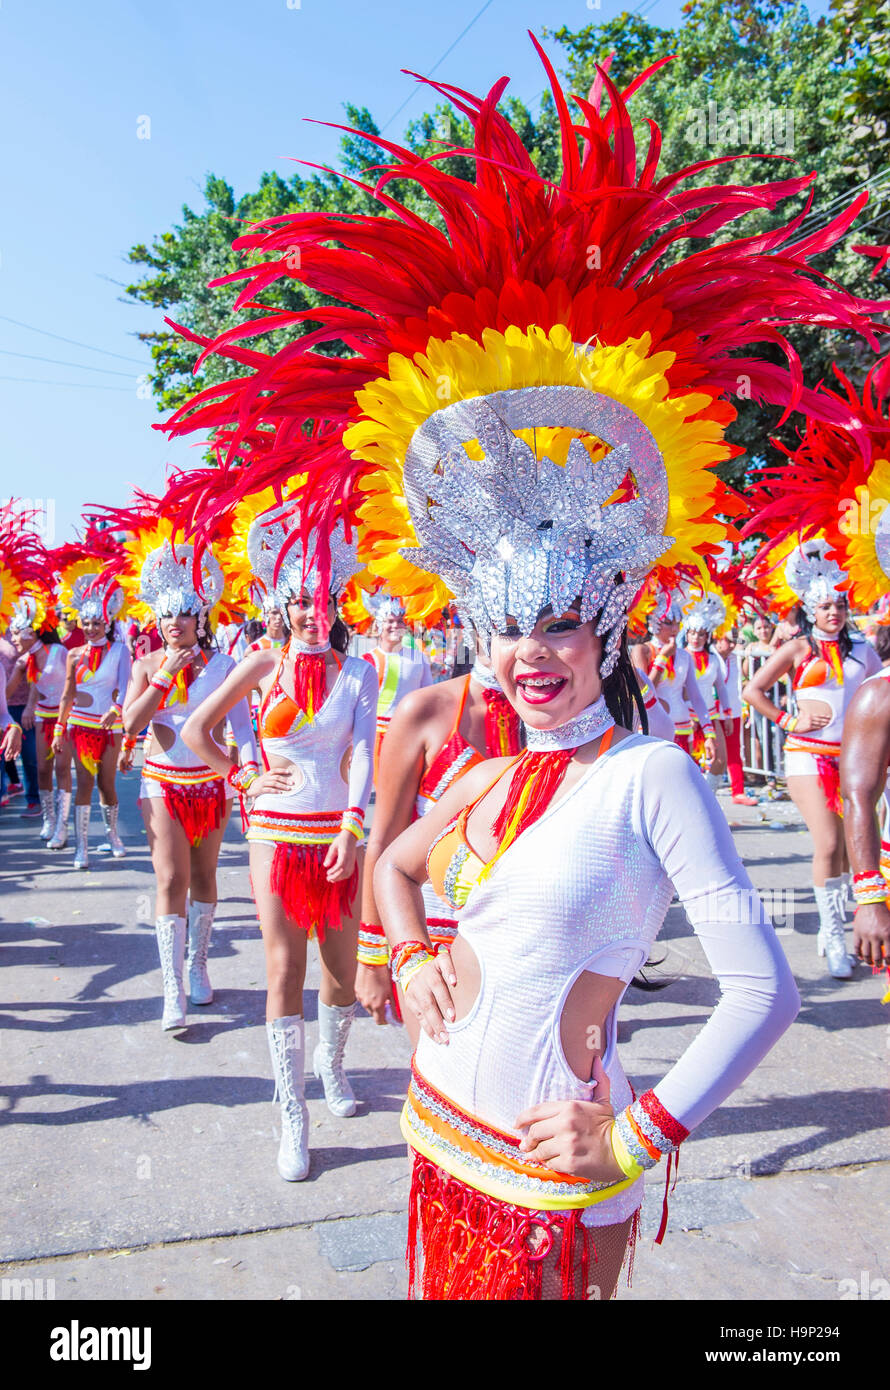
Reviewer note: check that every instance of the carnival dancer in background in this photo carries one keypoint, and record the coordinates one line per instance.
(541, 494)
(826, 672)
(701, 621)
(400, 667)
(185, 802)
(24, 571)
(306, 817)
(669, 670)
(437, 735)
(96, 678)
(725, 648)
(43, 661)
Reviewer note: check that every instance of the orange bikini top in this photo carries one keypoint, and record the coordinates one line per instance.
(453, 866)
(280, 711)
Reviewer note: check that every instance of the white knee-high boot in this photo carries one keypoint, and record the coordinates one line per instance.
(286, 1038)
(48, 807)
(60, 833)
(170, 931)
(334, 1022)
(831, 941)
(110, 815)
(82, 837)
(200, 990)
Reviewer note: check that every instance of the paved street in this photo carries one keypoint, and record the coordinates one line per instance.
(140, 1164)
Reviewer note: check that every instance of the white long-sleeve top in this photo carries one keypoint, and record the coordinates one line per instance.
(730, 669)
(175, 712)
(318, 749)
(96, 689)
(587, 887)
(711, 685)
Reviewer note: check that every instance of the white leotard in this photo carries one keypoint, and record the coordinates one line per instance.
(319, 749)
(95, 691)
(729, 667)
(587, 887)
(174, 714)
(679, 690)
(710, 684)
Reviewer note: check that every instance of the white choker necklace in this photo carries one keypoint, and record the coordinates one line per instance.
(584, 728)
(303, 648)
(485, 677)
(97, 641)
(821, 636)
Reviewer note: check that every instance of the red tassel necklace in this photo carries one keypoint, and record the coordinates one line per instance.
(310, 675)
(537, 777)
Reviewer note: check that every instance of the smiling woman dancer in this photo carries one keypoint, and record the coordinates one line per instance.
(316, 725)
(826, 670)
(184, 802)
(96, 678)
(699, 624)
(585, 412)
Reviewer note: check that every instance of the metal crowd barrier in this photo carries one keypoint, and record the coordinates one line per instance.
(762, 741)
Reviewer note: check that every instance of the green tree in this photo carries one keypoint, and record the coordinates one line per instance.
(760, 75)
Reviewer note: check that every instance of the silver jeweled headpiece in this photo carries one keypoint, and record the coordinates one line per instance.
(94, 601)
(383, 605)
(166, 581)
(814, 579)
(24, 614)
(706, 614)
(265, 541)
(511, 536)
(668, 608)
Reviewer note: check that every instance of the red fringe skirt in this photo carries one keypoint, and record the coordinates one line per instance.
(90, 745)
(199, 809)
(476, 1247)
(300, 880)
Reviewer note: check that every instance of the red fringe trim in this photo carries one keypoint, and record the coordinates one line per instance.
(49, 726)
(299, 879)
(544, 771)
(501, 726)
(310, 682)
(199, 809)
(90, 744)
(475, 1247)
(830, 782)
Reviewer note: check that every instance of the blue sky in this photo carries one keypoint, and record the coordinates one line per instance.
(225, 86)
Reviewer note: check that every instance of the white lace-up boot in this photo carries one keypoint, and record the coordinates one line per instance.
(170, 931)
(82, 836)
(60, 833)
(334, 1022)
(287, 1045)
(110, 815)
(831, 941)
(48, 807)
(200, 990)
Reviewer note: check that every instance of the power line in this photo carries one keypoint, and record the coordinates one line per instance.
(57, 362)
(73, 342)
(80, 385)
(439, 61)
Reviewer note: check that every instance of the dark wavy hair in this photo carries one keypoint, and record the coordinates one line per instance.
(621, 690)
(339, 636)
